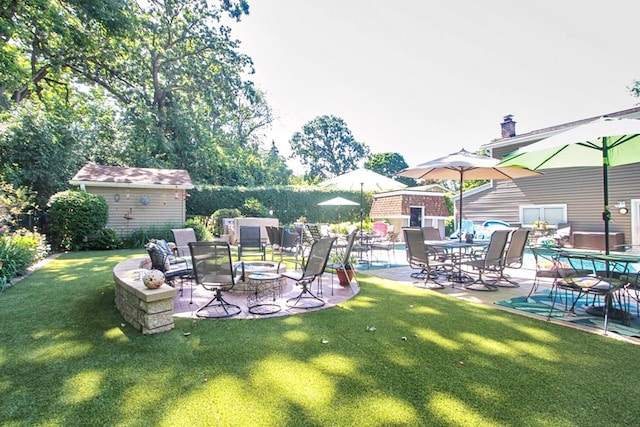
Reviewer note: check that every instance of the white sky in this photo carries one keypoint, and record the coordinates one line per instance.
(426, 78)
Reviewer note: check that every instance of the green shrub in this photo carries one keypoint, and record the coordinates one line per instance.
(202, 233)
(107, 238)
(449, 226)
(19, 250)
(74, 215)
(252, 207)
(141, 236)
(217, 216)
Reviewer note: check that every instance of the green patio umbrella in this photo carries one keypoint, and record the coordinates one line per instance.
(602, 142)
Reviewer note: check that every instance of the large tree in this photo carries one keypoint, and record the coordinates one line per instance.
(41, 39)
(389, 164)
(159, 83)
(326, 148)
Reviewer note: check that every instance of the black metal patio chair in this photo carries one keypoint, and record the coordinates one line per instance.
(311, 271)
(214, 271)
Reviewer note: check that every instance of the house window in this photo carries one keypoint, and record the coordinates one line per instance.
(552, 214)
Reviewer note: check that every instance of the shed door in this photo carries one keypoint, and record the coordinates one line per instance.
(415, 217)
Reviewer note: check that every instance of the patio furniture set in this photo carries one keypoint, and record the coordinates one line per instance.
(475, 265)
(607, 280)
(210, 265)
(577, 273)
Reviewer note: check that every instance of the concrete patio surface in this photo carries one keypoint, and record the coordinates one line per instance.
(333, 293)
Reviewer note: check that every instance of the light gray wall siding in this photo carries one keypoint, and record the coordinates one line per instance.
(163, 209)
(581, 189)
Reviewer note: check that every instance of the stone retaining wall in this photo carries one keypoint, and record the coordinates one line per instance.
(147, 310)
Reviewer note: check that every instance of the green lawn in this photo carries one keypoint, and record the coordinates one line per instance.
(67, 358)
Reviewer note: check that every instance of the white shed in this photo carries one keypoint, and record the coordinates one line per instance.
(137, 197)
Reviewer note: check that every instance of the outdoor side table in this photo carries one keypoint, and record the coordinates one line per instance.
(264, 289)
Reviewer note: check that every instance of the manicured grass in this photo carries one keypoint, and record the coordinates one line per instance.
(67, 358)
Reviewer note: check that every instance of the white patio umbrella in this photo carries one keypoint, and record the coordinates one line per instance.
(363, 180)
(602, 142)
(338, 201)
(465, 165)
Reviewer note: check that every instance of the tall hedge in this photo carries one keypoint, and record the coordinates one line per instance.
(285, 203)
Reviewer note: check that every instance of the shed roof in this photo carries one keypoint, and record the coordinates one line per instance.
(110, 176)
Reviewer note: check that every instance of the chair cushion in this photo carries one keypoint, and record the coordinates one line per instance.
(163, 246)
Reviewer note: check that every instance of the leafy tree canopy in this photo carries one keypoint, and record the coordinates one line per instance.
(326, 148)
(389, 164)
(159, 83)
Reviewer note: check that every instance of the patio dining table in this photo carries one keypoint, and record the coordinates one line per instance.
(458, 250)
(612, 268)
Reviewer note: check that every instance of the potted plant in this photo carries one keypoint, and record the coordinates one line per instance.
(344, 274)
(540, 224)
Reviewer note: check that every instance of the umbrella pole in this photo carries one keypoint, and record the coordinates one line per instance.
(606, 213)
(460, 209)
(361, 210)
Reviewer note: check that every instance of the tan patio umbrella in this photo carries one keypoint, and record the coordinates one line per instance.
(465, 165)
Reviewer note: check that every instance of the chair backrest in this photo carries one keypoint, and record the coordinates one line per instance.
(182, 237)
(274, 234)
(347, 250)
(496, 248)
(318, 257)
(314, 231)
(431, 233)
(212, 264)
(159, 260)
(379, 229)
(416, 251)
(249, 236)
(546, 262)
(290, 237)
(515, 251)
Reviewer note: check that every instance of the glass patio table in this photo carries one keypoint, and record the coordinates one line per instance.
(612, 267)
(458, 249)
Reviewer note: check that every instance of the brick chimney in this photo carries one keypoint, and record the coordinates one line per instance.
(508, 126)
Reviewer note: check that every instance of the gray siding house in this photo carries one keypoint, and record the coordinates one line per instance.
(571, 195)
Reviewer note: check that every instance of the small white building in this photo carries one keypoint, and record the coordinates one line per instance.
(137, 197)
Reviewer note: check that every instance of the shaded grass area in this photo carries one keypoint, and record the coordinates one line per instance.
(67, 358)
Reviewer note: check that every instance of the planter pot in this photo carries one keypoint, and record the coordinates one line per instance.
(344, 276)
